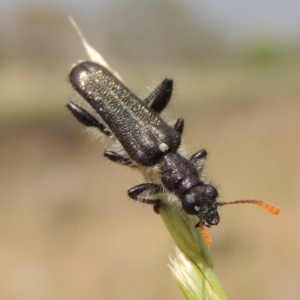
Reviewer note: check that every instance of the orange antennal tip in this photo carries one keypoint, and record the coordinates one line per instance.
(206, 235)
(269, 207)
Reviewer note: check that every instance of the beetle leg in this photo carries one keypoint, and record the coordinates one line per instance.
(136, 192)
(160, 97)
(198, 159)
(202, 154)
(115, 157)
(179, 125)
(86, 118)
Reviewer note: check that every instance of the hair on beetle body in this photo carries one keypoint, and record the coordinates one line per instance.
(144, 140)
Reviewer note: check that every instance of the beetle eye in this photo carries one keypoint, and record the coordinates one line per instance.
(189, 204)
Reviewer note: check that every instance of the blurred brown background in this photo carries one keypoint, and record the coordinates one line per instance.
(67, 228)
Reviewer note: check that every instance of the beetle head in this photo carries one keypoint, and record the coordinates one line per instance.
(201, 200)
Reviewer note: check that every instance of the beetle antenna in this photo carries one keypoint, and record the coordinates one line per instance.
(267, 206)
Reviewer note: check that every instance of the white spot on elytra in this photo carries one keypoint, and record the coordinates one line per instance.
(163, 147)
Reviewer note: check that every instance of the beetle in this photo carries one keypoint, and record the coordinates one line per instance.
(142, 139)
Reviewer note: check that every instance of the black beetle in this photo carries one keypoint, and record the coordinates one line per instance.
(147, 141)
